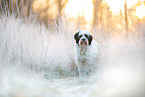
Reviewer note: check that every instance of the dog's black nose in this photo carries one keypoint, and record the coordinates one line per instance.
(83, 39)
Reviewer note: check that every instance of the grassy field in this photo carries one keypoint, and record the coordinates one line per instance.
(38, 61)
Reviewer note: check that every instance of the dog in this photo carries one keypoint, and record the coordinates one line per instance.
(87, 52)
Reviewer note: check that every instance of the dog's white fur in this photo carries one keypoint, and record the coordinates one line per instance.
(87, 56)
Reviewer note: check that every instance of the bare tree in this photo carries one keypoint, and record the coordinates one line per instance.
(126, 19)
(60, 4)
(25, 6)
(22, 7)
(4, 4)
(97, 12)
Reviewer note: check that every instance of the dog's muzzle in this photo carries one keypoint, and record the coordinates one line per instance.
(83, 42)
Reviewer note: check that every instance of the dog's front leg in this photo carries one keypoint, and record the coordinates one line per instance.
(79, 70)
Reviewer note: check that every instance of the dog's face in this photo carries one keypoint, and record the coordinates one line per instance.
(83, 38)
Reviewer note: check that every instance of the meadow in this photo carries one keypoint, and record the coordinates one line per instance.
(38, 61)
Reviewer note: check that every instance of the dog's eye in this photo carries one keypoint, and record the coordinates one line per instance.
(80, 36)
(86, 35)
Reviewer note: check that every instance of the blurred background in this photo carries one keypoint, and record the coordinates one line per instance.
(111, 16)
(37, 57)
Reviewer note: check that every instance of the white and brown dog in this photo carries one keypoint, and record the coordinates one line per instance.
(87, 52)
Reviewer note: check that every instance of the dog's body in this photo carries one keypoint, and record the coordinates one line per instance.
(87, 52)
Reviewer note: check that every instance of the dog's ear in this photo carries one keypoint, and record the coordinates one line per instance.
(76, 37)
(90, 38)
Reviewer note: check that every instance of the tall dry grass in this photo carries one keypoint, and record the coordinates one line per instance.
(39, 61)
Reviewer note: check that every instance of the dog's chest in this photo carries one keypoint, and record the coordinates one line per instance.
(83, 55)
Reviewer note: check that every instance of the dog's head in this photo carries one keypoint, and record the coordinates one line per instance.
(83, 38)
